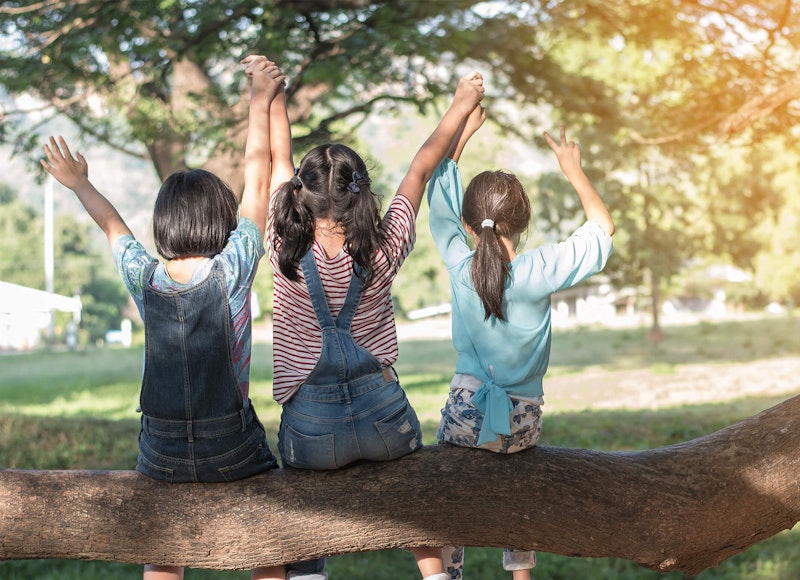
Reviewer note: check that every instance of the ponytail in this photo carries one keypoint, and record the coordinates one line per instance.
(489, 271)
(332, 182)
(495, 204)
(363, 235)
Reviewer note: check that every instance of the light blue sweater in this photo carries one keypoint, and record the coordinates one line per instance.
(510, 357)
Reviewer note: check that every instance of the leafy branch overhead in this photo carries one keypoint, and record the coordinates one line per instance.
(159, 79)
(662, 93)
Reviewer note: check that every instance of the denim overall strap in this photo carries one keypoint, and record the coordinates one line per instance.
(317, 292)
(189, 383)
(341, 359)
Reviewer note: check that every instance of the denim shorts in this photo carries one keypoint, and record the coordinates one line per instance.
(221, 450)
(332, 426)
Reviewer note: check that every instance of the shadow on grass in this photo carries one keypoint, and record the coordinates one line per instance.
(626, 430)
(576, 348)
(28, 442)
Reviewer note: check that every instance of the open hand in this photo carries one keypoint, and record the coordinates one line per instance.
(68, 171)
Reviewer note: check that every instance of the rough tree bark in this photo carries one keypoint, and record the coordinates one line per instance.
(685, 507)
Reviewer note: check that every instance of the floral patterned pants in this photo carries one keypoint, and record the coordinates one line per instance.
(461, 425)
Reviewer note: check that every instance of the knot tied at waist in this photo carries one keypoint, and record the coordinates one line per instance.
(495, 405)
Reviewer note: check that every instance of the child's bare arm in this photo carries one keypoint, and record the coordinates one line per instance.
(280, 142)
(468, 94)
(468, 128)
(569, 158)
(74, 174)
(267, 81)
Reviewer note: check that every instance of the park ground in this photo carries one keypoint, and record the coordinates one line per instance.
(663, 384)
(609, 389)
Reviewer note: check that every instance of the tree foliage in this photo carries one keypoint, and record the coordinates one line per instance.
(159, 78)
(76, 260)
(641, 82)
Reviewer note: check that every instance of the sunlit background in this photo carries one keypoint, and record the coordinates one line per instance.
(686, 111)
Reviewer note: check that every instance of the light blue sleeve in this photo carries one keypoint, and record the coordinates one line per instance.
(132, 259)
(445, 196)
(240, 258)
(583, 254)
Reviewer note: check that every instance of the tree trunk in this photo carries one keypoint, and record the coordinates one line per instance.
(686, 507)
(656, 333)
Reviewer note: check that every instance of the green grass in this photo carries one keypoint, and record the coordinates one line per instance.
(62, 410)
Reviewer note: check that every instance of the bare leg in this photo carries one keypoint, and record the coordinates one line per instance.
(519, 562)
(429, 560)
(153, 572)
(268, 573)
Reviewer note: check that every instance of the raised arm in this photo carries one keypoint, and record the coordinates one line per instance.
(267, 83)
(468, 94)
(74, 174)
(468, 128)
(280, 142)
(569, 158)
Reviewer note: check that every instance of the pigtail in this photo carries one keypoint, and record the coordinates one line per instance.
(293, 225)
(363, 234)
(490, 270)
(332, 182)
(356, 207)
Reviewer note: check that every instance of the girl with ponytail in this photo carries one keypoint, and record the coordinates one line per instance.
(501, 303)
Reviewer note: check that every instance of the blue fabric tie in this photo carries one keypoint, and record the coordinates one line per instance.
(495, 405)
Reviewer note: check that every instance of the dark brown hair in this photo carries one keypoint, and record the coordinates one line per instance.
(331, 182)
(194, 215)
(500, 197)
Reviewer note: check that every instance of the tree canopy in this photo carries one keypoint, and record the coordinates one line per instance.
(159, 78)
(652, 86)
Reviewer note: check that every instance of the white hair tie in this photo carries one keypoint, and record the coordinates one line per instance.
(487, 223)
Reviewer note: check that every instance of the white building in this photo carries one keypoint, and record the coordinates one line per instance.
(26, 314)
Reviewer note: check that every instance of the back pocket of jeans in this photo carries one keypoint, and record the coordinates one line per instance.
(150, 469)
(258, 461)
(400, 432)
(307, 451)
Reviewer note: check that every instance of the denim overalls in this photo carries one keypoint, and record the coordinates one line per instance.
(195, 424)
(350, 407)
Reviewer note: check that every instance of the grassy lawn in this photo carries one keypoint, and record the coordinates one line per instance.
(61, 410)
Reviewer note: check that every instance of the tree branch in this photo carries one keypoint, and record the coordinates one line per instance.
(685, 507)
(760, 107)
(326, 5)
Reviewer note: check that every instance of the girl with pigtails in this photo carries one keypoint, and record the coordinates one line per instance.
(501, 303)
(334, 259)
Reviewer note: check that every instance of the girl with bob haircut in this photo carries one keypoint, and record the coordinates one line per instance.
(197, 421)
(334, 258)
(501, 303)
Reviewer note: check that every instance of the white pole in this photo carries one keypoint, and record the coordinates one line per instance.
(49, 259)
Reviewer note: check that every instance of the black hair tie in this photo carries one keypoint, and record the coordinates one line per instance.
(355, 185)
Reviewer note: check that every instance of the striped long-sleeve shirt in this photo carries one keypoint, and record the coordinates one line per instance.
(297, 338)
